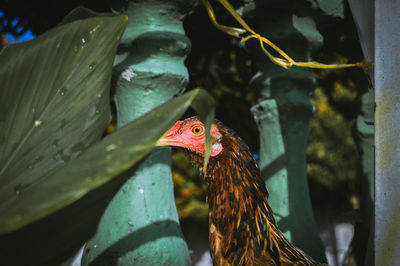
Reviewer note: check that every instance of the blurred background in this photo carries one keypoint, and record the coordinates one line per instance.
(219, 64)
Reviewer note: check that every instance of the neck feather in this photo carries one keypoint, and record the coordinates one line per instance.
(235, 186)
(237, 199)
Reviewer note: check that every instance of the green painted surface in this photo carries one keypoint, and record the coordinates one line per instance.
(141, 225)
(273, 162)
(332, 7)
(282, 151)
(365, 142)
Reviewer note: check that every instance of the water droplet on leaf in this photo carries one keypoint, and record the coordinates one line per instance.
(62, 91)
(111, 147)
(62, 123)
(55, 143)
(17, 189)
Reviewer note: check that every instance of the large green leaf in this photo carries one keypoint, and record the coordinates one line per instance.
(55, 172)
(53, 102)
(99, 163)
(92, 169)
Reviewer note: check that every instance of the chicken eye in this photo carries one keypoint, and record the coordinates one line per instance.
(197, 130)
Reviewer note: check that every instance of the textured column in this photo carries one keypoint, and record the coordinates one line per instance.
(141, 226)
(284, 113)
(387, 142)
(362, 245)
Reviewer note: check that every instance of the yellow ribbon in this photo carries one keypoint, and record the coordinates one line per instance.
(285, 62)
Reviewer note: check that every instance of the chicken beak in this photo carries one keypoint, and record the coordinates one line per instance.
(167, 138)
(163, 141)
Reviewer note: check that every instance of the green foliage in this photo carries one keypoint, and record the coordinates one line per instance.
(54, 102)
(332, 156)
(55, 107)
(331, 141)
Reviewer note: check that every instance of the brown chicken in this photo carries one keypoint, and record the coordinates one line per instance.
(243, 230)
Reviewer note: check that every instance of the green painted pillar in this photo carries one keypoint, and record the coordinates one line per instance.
(141, 225)
(363, 234)
(283, 115)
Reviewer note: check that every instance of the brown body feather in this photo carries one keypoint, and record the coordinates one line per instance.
(243, 230)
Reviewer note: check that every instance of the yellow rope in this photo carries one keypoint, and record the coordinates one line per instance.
(235, 32)
(285, 62)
